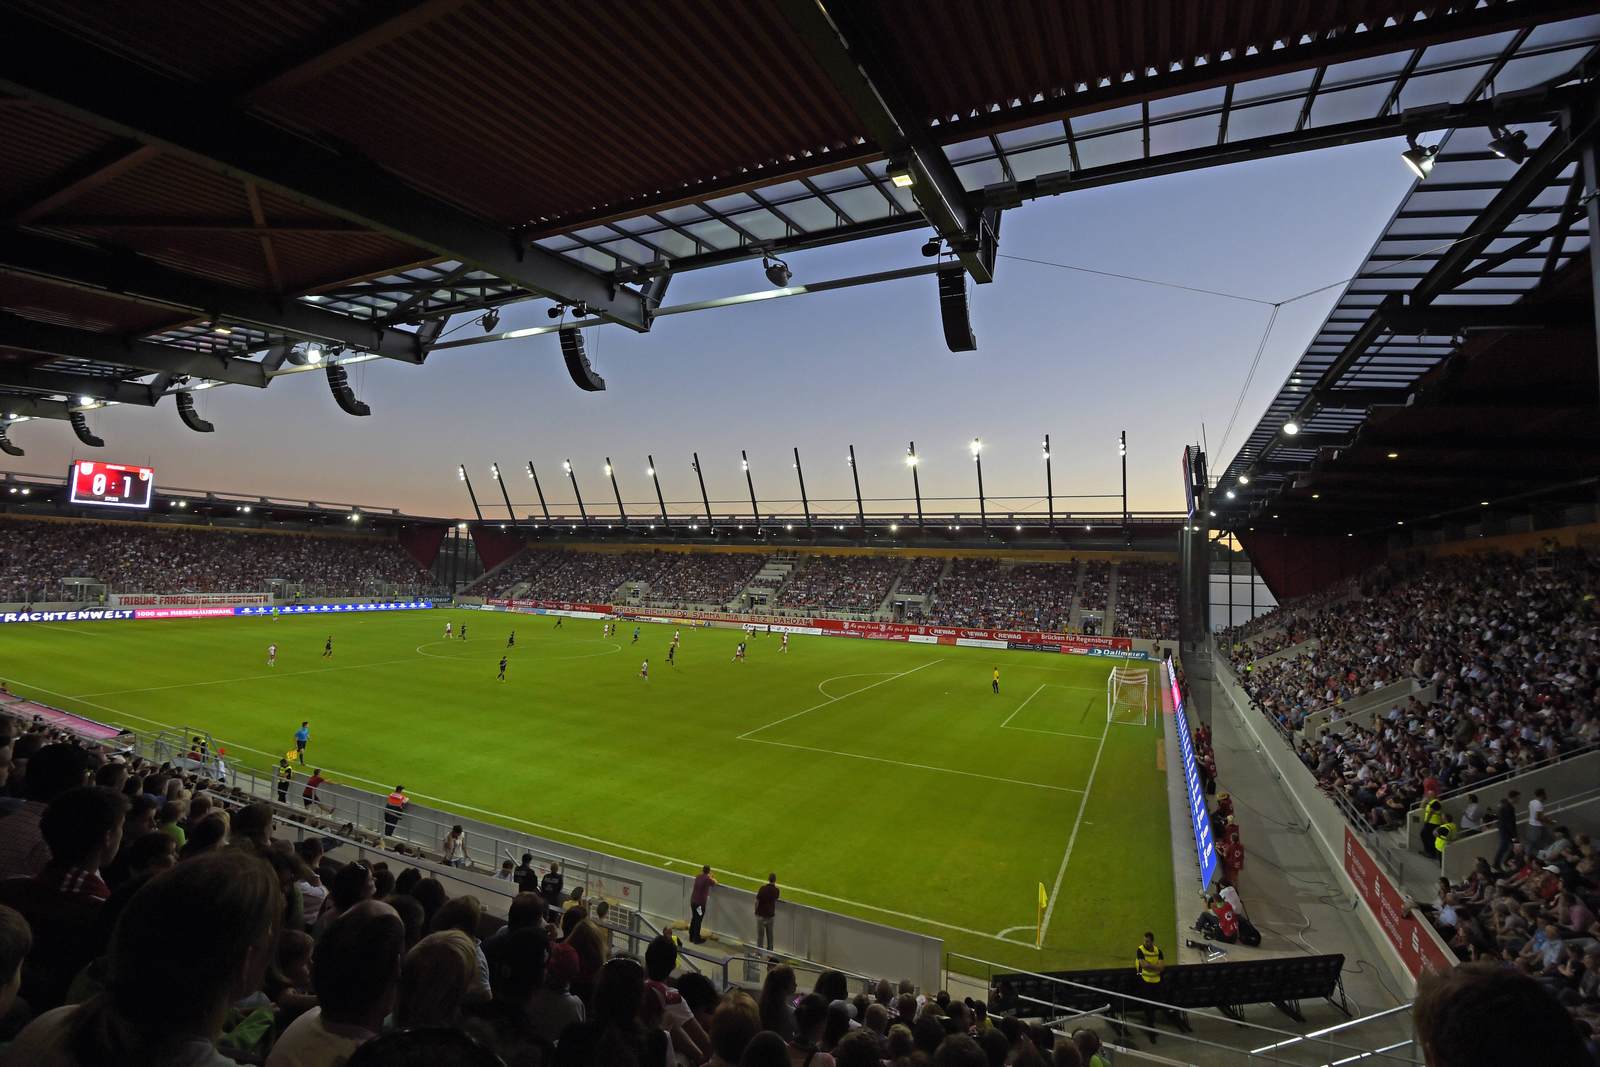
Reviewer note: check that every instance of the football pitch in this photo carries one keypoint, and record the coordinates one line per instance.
(877, 778)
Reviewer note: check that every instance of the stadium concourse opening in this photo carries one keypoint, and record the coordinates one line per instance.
(834, 779)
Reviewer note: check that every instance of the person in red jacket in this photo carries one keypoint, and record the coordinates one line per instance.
(395, 807)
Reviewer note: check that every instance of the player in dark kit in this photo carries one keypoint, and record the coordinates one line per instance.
(502, 668)
(636, 635)
(672, 655)
(327, 648)
(559, 620)
(463, 631)
(511, 640)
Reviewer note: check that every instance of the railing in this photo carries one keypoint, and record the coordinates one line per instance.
(1278, 1046)
(422, 832)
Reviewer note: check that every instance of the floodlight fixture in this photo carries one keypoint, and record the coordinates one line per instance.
(313, 353)
(608, 470)
(778, 272)
(1419, 157)
(1291, 428)
(461, 472)
(1230, 494)
(85, 401)
(1244, 479)
(1394, 455)
(490, 320)
(650, 472)
(932, 246)
(494, 471)
(899, 171)
(1508, 145)
(566, 465)
(975, 447)
(224, 331)
(1316, 496)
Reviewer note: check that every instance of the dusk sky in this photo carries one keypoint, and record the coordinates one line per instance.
(1078, 356)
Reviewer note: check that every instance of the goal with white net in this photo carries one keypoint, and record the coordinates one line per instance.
(1128, 695)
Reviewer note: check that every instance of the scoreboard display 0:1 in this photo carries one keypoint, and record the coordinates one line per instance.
(117, 485)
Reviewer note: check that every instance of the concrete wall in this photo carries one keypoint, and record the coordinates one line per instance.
(1581, 817)
(1323, 817)
(1351, 710)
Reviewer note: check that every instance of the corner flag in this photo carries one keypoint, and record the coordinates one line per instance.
(1044, 902)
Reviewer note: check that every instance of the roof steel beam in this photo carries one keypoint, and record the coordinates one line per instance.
(137, 278)
(842, 41)
(96, 388)
(30, 336)
(16, 407)
(47, 67)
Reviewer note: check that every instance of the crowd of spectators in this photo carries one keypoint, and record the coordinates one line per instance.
(150, 916)
(1505, 645)
(678, 579)
(990, 594)
(1532, 912)
(1147, 600)
(920, 576)
(850, 584)
(128, 557)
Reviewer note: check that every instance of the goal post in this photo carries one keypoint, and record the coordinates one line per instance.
(1128, 695)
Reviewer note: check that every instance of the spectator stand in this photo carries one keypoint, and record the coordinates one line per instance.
(1562, 775)
(1579, 811)
(834, 941)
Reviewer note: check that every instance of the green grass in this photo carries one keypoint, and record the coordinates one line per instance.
(874, 777)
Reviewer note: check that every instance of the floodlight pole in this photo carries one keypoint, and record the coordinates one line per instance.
(659, 498)
(1049, 488)
(461, 469)
(494, 469)
(977, 458)
(611, 472)
(572, 476)
(755, 509)
(800, 474)
(704, 499)
(855, 476)
(538, 489)
(916, 486)
(1122, 447)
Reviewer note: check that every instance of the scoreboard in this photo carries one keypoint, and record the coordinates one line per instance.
(116, 485)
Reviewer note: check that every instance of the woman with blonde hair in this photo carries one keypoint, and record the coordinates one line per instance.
(439, 973)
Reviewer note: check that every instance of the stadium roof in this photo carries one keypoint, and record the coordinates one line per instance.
(1457, 371)
(194, 192)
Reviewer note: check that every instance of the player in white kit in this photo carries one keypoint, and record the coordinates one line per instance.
(785, 646)
(272, 655)
(447, 630)
(644, 670)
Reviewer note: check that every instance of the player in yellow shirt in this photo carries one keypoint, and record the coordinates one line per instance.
(994, 683)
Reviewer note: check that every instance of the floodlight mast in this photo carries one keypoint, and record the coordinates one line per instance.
(659, 498)
(755, 509)
(537, 488)
(572, 476)
(1122, 448)
(611, 472)
(704, 499)
(800, 474)
(916, 486)
(977, 458)
(1049, 489)
(855, 476)
(494, 469)
(461, 469)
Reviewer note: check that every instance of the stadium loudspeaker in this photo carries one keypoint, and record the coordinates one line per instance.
(190, 418)
(343, 395)
(80, 426)
(583, 375)
(7, 446)
(953, 310)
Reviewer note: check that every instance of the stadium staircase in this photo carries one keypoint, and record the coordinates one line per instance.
(780, 567)
(1075, 616)
(1110, 624)
(485, 581)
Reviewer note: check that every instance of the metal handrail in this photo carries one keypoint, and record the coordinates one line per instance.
(1128, 998)
(1504, 776)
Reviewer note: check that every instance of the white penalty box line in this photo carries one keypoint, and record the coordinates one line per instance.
(1039, 730)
